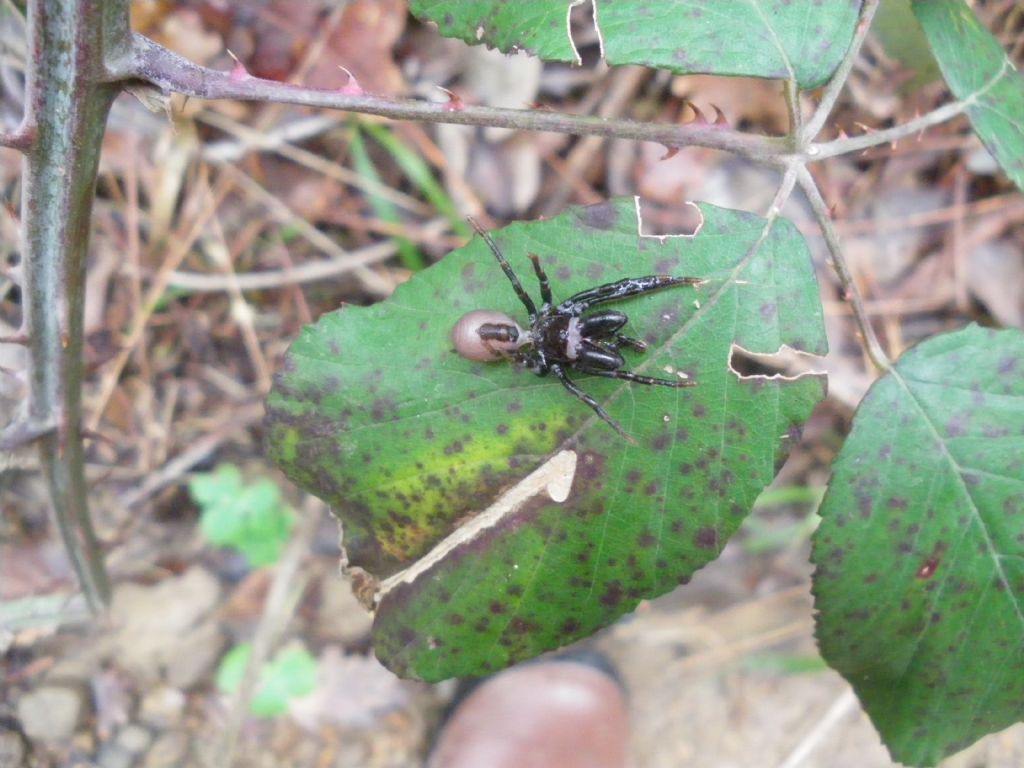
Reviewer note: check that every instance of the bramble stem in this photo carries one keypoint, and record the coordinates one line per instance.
(838, 261)
(946, 112)
(66, 104)
(810, 152)
(888, 136)
(159, 66)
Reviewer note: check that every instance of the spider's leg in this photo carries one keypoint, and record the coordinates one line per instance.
(542, 278)
(627, 341)
(621, 340)
(637, 378)
(597, 354)
(571, 386)
(604, 327)
(630, 286)
(507, 269)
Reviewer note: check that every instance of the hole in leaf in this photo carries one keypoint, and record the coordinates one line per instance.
(668, 221)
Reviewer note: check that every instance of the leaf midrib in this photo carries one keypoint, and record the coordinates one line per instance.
(958, 472)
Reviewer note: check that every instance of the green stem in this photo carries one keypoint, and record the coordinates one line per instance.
(66, 110)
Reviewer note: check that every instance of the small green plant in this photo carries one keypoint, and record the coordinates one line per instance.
(250, 518)
(290, 675)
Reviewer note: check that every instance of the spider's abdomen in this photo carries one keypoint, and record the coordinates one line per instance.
(485, 335)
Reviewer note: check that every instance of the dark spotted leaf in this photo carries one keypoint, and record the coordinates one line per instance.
(802, 40)
(975, 67)
(920, 553)
(409, 442)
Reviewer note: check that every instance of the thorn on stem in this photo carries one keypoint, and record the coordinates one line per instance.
(454, 103)
(238, 71)
(670, 152)
(20, 139)
(352, 87)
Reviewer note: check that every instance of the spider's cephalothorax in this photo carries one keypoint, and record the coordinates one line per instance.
(563, 336)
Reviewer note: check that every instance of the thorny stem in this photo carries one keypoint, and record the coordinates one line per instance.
(811, 152)
(851, 294)
(942, 114)
(889, 135)
(155, 64)
(804, 135)
(65, 115)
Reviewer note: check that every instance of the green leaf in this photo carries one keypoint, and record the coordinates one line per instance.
(920, 553)
(232, 667)
(794, 39)
(212, 488)
(250, 518)
(975, 67)
(291, 674)
(406, 440)
(540, 27)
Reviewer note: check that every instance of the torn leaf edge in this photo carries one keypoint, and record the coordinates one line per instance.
(554, 477)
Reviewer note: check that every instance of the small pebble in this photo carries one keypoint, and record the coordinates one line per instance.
(114, 756)
(50, 714)
(134, 738)
(162, 707)
(171, 749)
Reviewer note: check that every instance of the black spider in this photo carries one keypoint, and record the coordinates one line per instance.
(563, 336)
